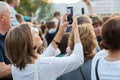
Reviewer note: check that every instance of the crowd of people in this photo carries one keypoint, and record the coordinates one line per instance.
(90, 50)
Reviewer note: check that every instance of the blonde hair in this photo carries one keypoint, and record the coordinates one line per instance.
(88, 40)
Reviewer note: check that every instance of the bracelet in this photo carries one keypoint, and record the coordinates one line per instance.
(56, 42)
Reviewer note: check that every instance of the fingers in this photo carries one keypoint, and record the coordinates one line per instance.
(64, 18)
(64, 25)
(74, 21)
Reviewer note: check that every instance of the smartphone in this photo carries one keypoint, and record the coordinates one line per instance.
(70, 14)
(82, 10)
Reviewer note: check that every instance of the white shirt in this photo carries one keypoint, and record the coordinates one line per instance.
(13, 14)
(51, 67)
(107, 70)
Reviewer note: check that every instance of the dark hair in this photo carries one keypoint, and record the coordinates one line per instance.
(19, 46)
(64, 43)
(50, 25)
(105, 18)
(43, 28)
(96, 19)
(56, 14)
(83, 19)
(111, 34)
(8, 1)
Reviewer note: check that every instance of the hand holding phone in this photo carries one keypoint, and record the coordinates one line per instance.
(70, 14)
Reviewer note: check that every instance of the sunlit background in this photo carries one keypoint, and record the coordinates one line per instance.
(65, 1)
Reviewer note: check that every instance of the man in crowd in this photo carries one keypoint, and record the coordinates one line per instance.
(5, 21)
(56, 18)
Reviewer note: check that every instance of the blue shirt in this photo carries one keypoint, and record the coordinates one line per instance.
(3, 58)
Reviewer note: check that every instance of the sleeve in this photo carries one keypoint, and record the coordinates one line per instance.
(50, 51)
(64, 65)
(1, 56)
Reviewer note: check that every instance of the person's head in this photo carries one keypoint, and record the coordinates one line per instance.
(83, 19)
(115, 14)
(97, 23)
(43, 29)
(50, 25)
(111, 34)
(105, 18)
(14, 3)
(20, 18)
(5, 17)
(88, 40)
(19, 45)
(64, 43)
(37, 36)
(57, 15)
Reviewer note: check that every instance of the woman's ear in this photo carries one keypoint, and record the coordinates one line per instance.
(1, 17)
(35, 47)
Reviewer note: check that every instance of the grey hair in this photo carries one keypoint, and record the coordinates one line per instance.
(3, 7)
(83, 19)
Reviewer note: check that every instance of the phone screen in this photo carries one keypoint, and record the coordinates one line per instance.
(69, 14)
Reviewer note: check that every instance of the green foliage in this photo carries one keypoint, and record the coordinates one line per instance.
(27, 6)
(45, 10)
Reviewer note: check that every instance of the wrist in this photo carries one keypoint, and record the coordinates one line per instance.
(56, 42)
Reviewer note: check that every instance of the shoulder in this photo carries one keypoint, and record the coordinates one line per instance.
(100, 54)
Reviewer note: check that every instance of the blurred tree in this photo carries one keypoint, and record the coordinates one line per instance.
(28, 6)
(44, 10)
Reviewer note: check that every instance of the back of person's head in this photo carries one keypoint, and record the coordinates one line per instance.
(83, 19)
(96, 19)
(105, 18)
(88, 40)
(56, 14)
(19, 46)
(20, 18)
(64, 43)
(115, 14)
(111, 34)
(50, 25)
(43, 28)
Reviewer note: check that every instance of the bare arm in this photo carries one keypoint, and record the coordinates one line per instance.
(52, 49)
(76, 32)
(89, 6)
(61, 31)
(5, 70)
